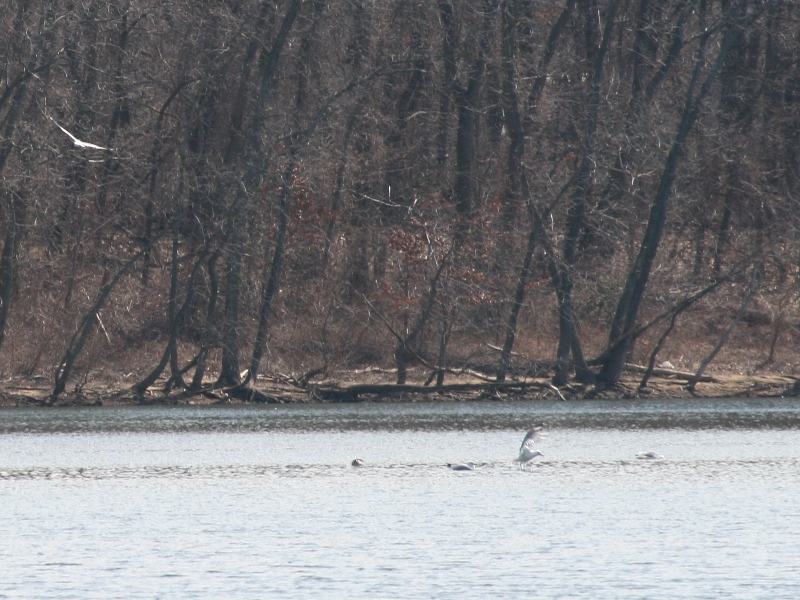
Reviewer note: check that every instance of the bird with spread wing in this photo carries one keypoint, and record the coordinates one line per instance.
(526, 451)
(76, 142)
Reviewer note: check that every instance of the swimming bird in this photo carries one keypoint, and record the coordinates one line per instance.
(469, 466)
(357, 462)
(76, 142)
(526, 451)
(650, 455)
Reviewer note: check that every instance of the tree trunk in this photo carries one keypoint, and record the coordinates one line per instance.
(229, 373)
(515, 162)
(467, 108)
(404, 352)
(568, 337)
(271, 284)
(449, 70)
(516, 307)
(620, 338)
(707, 361)
(14, 206)
(8, 260)
(176, 317)
(81, 335)
(208, 338)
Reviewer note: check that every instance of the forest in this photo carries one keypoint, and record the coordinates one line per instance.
(206, 195)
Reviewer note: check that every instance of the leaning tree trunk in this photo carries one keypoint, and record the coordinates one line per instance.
(623, 324)
(404, 352)
(81, 335)
(724, 339)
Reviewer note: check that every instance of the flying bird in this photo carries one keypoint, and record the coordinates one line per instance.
(526, 451)
(469, 466)
(79, 143)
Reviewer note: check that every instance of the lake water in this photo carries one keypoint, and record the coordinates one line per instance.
(261, 502)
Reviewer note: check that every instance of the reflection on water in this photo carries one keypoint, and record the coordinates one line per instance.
(778, 413)
(254, 502)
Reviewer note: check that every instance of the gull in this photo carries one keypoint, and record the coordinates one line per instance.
(79, 143)
(469, 466)
(649, 455)
(526, 451)
(357, 462)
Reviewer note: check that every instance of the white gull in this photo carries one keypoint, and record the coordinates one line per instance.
(76, 142)
(526, 450)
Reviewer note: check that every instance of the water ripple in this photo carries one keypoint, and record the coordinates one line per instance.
(683, 469)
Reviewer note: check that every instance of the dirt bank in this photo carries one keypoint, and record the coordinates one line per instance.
(375, 385)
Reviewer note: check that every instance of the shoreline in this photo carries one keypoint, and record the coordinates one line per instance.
(366, 387)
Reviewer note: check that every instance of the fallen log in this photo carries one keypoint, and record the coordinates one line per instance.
(218, 395)
(353, 393)
(661, 372)
(249, 394)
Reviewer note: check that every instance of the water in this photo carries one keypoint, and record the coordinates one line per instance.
(255, 502)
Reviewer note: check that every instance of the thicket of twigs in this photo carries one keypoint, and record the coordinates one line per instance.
(211, 191)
